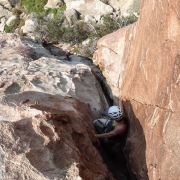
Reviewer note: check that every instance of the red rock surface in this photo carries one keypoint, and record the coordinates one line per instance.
(49, 137)
(148, 77)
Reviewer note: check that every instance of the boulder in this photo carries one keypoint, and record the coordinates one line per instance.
(45, 136)
(89, 18)
(30, 25)
(5, 12)
(47, 108)
(72, 16)
(95, 8)
(11, 21)
(6, 4)
(147, 76)
(115, 4)
(109, 58)
(53, 4)
(47, 73)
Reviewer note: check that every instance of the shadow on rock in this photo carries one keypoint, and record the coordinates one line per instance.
(135, 146)
(126, 159)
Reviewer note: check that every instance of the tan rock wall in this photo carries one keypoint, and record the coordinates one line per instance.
(150, 82)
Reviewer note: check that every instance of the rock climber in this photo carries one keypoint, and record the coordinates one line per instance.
(109, 129)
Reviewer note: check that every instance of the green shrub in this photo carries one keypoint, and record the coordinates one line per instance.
(76, 50)
(57, 29)
(8, 29)
(56, 11)
(32, 5)
(21, 23)
(88, 49)
(111, 24)
(11, 28)
(59, 32)
(16, 12)
(125, 21)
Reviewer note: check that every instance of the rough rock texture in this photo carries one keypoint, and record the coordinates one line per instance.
(47, 106)
(26, 65)
(51, 139)
(95, 8)
(109, 58)
(148, 59)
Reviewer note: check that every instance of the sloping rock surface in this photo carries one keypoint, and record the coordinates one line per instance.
(26, 65)
(147, 73)
(47, 106)
(44, 136)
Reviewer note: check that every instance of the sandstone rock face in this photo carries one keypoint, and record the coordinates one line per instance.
(50, 139)
(147, 55)
(109, 58)
(47, 106)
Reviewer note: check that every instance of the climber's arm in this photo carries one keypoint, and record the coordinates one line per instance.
(118, 130)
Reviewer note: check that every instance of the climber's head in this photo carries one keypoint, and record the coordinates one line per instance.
(115, 113)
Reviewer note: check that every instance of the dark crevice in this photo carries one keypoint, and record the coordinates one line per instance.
(104, 87)
(114, 156)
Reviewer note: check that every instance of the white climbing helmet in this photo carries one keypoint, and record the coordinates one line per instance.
(115, 112)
